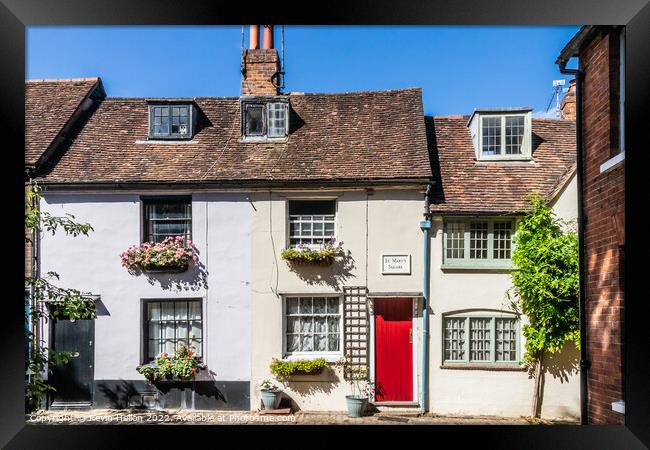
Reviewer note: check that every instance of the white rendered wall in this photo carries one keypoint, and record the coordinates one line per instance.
(221, 232)
(385, 222)
(483, 392)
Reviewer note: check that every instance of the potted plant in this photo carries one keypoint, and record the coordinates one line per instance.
(357, 402)
(323, 255)
(173, 254)
(271, 395)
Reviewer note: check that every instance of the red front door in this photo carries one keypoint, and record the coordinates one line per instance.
(393, 349)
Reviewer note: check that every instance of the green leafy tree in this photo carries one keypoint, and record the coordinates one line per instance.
(64, 303)
(545, 286)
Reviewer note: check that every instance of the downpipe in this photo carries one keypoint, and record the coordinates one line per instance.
(425, 226)
(584, 362)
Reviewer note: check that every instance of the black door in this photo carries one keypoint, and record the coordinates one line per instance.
(73, 381)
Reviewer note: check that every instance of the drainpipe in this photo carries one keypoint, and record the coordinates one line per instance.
(425, 226)
(584, 362)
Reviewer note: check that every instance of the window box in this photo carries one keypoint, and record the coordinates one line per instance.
(168, 269)
(182, 366)
(322, 255)
(284, 370)
(172, 255)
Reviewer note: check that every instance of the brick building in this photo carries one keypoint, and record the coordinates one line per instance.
(599, 108)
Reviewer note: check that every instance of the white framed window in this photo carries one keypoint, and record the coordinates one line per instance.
(481, 337)
(502, 134)
(478, 242)
(277, 119)
(311, 222)
(313, 326)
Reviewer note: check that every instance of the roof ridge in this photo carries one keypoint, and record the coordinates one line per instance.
(374, 91)
(61, 80)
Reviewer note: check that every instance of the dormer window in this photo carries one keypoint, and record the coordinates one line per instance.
(171, 120)
(264, 119)
(501, 134)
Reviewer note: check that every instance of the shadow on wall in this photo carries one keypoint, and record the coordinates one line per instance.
(194, 279)
(309, 385)
(118, 395)
(333, 276)
(562, 365)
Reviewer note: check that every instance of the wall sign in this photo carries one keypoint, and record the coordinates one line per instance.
(396, 264)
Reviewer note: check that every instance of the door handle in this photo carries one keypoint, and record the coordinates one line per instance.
(90, 343)
(410, 335)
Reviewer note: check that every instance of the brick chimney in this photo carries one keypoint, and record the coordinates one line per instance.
(568, 106)
(260, 66)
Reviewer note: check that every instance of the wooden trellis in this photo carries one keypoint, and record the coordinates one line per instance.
(357, 329)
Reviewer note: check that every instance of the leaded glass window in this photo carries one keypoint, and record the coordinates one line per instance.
(263, 119)
(169, 323)
(506, 339)
(478, 240)
(277, 119)
(311, 222)
(454, 339)
(313, 325)
(480, 337)
(167, 217)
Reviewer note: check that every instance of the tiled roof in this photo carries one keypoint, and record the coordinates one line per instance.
(49, 104)
(351, 136)
(464, 185)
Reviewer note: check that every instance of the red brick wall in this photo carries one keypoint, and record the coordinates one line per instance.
(604, 198)
(260, 64)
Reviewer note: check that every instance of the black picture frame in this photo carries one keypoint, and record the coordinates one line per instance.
(15, 15)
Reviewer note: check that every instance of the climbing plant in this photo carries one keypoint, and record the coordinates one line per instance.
(545, 286)
(48, 301)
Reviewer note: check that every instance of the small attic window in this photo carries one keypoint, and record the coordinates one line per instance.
(171, 121)
(501, 135)
(262, 119)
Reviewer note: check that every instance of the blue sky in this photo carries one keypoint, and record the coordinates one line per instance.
(458, 68)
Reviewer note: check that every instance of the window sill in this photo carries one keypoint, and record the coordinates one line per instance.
(612, 162)
(327, 357)
(261, 139)
(488, 367)
(477, 267)
(520, 159)
(159, 141)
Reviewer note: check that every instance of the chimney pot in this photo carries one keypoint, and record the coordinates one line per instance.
(255, 37)
(268, 36)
